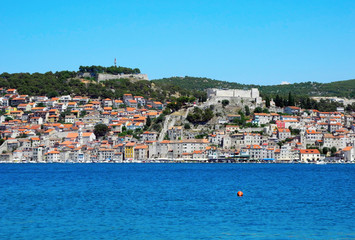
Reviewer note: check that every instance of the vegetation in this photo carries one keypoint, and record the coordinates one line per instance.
(148, 122)
(158, 123)
(339, 88)
(100, 130)
(294, 131)
(7, 119)
(247, 110)
(178, 103)
(112, 70)
(323, 105)
(201, 136)
(66, 83)
(325, 150)
(38, 84)
(200, 84)
(350, 108)
(225, 102)
(260, 110)
(178, 90)
(333, 150)
(200, 116)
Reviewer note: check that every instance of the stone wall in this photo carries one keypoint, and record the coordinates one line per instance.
(105, 76)
(214, 92)
(218, 94)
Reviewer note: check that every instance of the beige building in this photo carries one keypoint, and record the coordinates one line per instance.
(309, 155)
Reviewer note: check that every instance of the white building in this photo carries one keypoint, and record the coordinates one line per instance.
(175, 133)
(309, 155)
(53, 156)
(252, 94)
(330, 141)
(149, 136)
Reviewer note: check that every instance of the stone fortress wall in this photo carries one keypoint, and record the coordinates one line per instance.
(220, 94)
(105, 76)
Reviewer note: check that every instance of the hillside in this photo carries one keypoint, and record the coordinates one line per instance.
(339, 88)
(67, 83)
(197, 83)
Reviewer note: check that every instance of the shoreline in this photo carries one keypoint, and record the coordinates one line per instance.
(181, 162)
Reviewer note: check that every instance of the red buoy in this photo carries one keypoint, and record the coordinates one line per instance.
(240, 194)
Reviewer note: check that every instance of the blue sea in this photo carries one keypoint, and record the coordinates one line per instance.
(177, 201)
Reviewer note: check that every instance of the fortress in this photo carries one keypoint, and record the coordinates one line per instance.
(220, 94)
(105, 76)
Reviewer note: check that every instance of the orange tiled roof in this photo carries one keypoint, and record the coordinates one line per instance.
(309, 151)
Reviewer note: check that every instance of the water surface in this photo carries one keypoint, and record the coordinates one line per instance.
(176, 201)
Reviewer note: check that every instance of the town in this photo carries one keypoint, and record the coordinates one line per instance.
(77, 129)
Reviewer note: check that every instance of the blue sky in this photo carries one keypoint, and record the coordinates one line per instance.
(260, 42)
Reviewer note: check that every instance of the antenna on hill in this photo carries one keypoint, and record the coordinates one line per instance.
(115, 62)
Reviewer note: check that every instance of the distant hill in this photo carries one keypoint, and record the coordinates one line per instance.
(340, 88)
(198, 83)
(54, 84)
(67, 83)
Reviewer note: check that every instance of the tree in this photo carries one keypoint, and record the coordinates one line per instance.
(258, 110)
(242, 120)
(200, 116)
(278, 101)
(291, 100)
(333, 150)
(308, 103)
(187, 126)
(247, 111)
(100, 130)
(265, 110)
(281, 143)
(225, 102)
(267, 102)
(207, 115)
(156, 127)
(83, 113)
(173, 106)
(8, 119)
(350, 108)
(63, 114)
(148, 122)
(294, 131)
(325, 150)
(40, 105)
(52, 94)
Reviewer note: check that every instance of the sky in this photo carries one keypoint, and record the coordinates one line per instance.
(245, 41)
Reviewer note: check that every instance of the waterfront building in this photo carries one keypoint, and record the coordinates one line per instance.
(309, 155)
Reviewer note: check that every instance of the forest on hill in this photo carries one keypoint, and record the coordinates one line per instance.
(340, 88)
(111, 70)
(54, 84)
(66, 83)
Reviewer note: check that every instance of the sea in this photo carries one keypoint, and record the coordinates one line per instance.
(177, 201)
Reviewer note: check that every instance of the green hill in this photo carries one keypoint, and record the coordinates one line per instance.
(67, 83)
(339, 88)
(197, 83)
